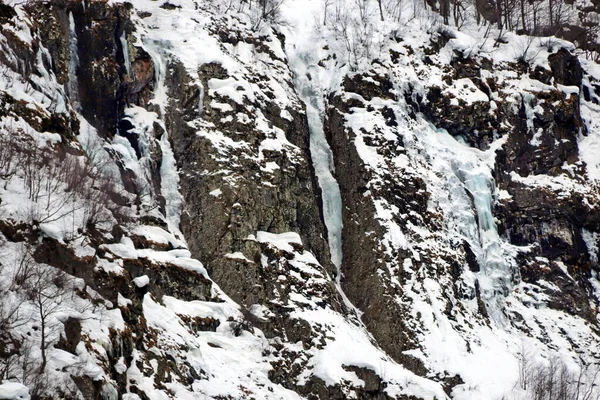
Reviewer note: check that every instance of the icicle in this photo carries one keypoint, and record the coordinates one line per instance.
(201, 99)
(322, 158)
(125, 47)
(160, 93)
(170, 185)
(480, 186)
(72, 84)
(467, 171)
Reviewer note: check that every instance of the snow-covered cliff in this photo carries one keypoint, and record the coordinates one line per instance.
(307, 199)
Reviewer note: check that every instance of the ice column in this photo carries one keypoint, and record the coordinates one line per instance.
(303, 64)
(322, 157)
(72, 84)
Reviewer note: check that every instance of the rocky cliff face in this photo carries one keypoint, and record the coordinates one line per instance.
(159, 163)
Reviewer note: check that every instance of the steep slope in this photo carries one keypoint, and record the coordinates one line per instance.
(141, 101)
(430, 144)
(208, 200)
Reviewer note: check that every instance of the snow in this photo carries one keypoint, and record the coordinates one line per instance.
(458, 179)
(561, 184)
(250, 374)
(124, 249)
(13, 391)
(157, 235)
(141, 281)
(589, 145)
(187, 263)
(282, 241)
(464, 89)
(238, 256)
(352, 346)
(120, 366)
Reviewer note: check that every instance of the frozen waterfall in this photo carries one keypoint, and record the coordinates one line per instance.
(494, 264)
(305, 72)
(467, 199)
(321, 155)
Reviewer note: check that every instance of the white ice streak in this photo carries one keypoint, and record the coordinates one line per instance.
(73, 83)
(466, 175)
(125, 50)
(321, 154)
(155, 49)
(302, 64)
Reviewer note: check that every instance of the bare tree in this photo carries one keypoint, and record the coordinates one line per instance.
(393, 9)
(8, 160)
(354, 28)
(326, 5)
(524, 357)
(554, 380)
(47, 288)
(380, 10)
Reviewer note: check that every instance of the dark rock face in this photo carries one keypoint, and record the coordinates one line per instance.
(472, 122)
(72, 335)
(373, 269)
(139, 84)
(6, 13)
(230, 196)
(361, 256)
(221, 224)
(100, 75)
(566, 68)
(553, 223)
(164, 279)
(373, 389)
(233, 192)
(560, 123)
(105, 84)
(170, 280)
(55, 35)
(541, 140)
(552, 220)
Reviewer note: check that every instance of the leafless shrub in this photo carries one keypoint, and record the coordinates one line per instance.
(524, 357)
(554, 380)
(24, 269)
(98, 208)
(47, 288)
(550, 43)
(243, 323)
(264, 12)
(525, 52)
(28, 372)
(58, 185)
(354, 28)
(393, 9)
(8, 161)
(260, 12)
